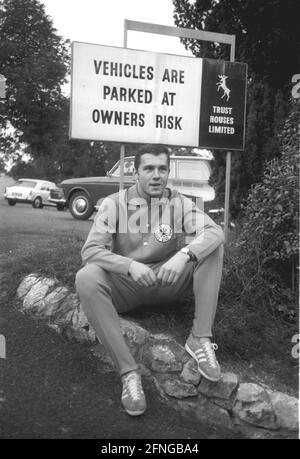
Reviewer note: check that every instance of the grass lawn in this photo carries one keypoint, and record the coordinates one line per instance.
(252, 342)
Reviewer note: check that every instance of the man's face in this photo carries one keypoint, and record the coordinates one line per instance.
(153, 173)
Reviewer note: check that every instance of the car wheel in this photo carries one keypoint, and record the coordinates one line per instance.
(11, 202)
(37, 203)
(60, 207)
(81, 206)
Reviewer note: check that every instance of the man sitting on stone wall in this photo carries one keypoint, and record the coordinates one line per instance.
(134, 256)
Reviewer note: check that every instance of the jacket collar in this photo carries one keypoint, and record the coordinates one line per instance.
(133, 197)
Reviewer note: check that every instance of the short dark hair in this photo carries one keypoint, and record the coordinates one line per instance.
(153, 150)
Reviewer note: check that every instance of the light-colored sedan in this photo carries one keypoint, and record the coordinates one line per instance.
(33, 191)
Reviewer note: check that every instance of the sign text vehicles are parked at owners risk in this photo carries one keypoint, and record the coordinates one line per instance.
(132, 96)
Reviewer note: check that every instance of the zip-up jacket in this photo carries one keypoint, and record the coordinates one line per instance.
(126, 228)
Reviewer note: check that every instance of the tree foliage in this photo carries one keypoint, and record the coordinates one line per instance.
(34, 60)
(267, 245)
(267, 40)
(272, 211)
(35, 115)
(267, 37)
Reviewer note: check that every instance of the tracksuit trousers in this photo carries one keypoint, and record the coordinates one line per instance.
(104, 294)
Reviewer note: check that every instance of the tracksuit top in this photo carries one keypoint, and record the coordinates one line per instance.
(127, 227)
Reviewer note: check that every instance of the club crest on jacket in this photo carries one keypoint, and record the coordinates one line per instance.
(163, 232)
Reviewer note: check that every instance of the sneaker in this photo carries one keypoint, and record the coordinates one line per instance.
(133, 397)
(204, 354)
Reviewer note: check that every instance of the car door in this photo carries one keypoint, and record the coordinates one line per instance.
(45, 192)
(52, 188)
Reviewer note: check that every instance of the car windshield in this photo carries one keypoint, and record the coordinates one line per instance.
(26, 183)
(193, 170)
(128, 168)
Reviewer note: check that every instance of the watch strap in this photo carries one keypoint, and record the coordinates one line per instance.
(189, 253)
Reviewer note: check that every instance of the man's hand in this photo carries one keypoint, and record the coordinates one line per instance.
(142, 274)
(171, 270)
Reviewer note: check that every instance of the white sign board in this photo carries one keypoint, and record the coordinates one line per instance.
(132, 96)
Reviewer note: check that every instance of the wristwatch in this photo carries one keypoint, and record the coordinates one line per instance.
(188, 252)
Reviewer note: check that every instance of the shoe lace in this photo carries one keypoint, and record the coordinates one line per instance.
(210, 349)
(133, 383)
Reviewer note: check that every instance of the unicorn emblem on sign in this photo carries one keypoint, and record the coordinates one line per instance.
(222, 84)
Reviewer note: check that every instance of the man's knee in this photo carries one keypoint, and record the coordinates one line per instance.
(216, 255)
(89, 278)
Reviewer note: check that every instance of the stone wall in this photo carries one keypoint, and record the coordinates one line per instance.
(256, 411)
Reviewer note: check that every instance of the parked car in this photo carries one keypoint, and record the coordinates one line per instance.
(33, 191)
(188, 174)
(57, 198)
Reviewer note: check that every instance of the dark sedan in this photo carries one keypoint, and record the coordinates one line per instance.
(188, 174)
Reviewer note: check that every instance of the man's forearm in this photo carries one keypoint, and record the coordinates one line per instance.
(208, 235)
(207, 241)
(100, 256)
